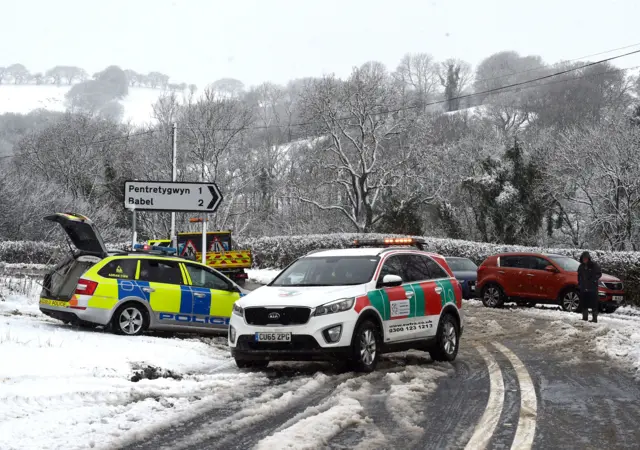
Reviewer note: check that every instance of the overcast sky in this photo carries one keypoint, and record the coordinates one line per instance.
(199, 41)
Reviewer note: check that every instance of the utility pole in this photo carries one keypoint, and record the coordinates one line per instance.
(174, 174)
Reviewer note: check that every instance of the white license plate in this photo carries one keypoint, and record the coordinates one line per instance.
(617, 298)
(273, 337)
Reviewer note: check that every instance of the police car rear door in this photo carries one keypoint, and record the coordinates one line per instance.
(163, 286)
(82, 233)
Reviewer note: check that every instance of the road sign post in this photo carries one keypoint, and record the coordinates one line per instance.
(171, 196)
(174, 173)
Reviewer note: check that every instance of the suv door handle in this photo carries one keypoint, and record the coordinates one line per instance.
(409, 294)
(530, 275)
(199, 295)
(438, 290)
(148, 289)
(501, 271)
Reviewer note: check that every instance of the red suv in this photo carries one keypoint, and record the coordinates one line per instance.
(530, 278)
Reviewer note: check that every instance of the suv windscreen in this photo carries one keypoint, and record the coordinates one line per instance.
(566, 263)
(328, 271)
(461, 265)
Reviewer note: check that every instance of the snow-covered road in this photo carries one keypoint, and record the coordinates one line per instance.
(68, 388)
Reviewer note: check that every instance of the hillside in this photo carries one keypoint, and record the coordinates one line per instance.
(22, 99)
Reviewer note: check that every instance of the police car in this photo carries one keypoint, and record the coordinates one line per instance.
(145, 288)
(352, 305)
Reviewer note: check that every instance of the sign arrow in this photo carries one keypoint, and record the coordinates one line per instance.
(215, 194)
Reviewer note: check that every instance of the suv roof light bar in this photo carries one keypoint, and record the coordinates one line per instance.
(388, 242)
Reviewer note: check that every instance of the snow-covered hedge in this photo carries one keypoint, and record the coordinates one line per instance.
(277, 252)
(38, 253)
(29, 252)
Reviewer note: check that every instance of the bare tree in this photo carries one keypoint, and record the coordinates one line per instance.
(228, 87)
(418, 73)
(214, 127)
(596, 174)
(18, 72)
(359, 158)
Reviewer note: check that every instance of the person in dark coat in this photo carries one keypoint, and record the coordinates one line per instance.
(589, 274)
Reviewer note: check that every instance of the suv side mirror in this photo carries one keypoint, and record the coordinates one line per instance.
(550, 268)
(391, 281)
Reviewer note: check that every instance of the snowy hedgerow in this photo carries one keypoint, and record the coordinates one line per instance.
(279, 251)
(30, 252)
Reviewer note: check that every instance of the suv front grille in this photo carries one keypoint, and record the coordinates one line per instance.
(277, 316)
(614, 286)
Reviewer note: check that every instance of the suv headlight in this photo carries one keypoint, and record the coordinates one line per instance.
(238, 310)
(335, 306)
(601, 284)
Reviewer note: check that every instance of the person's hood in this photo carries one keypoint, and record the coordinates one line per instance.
(299, 296)
(585, 255)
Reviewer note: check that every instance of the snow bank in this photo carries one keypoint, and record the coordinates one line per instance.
(262, 276)
(62, 387)
(616, 336)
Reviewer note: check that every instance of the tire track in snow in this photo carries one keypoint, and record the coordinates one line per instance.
(315, 417)
(396, 408)
(276, 399)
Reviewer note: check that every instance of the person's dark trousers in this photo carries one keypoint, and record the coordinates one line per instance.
(589, 300)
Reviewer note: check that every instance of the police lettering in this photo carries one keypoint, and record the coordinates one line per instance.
(209, 320)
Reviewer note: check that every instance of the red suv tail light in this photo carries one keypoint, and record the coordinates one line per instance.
(86, 287)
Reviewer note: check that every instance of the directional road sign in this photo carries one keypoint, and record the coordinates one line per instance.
(171, 196)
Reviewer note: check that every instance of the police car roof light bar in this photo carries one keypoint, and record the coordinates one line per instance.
(155, 248)
(386, 242)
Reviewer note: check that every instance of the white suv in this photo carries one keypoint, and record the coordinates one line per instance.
(351, 305)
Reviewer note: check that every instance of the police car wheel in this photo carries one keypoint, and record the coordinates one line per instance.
(130, 319)
(447, 340)
(365, 347)
(248, 364)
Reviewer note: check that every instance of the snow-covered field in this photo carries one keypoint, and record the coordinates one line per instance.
(22, 99)
(62, 387)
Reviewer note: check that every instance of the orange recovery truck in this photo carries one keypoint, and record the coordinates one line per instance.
(220, 254)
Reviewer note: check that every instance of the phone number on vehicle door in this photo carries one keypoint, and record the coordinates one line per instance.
(411, 326)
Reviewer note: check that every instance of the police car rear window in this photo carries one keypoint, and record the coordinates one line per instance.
(124, 269)
(159, 271)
